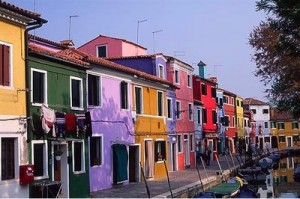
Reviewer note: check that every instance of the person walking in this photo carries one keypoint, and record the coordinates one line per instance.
(207, 154)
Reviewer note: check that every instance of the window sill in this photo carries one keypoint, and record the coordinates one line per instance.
(160, 161)
(78, 172)
(11, 181)
(77, 108)
(41, 177)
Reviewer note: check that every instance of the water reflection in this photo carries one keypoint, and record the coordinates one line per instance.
(280, 182)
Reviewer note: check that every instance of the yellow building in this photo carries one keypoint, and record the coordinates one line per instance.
(284, 130)
(240, 117)
(151, 129)
(13, 118)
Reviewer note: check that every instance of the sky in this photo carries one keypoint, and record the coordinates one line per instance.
(213, 31)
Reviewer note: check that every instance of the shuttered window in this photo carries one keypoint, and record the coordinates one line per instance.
(7, 158)
(4, 65)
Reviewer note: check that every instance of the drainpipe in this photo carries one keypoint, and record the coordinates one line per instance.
(33, 25)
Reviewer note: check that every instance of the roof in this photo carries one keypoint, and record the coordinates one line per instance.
(281, 115)
(205, 79)
(252, 101)
(21, 11)
(56, 55)
(227, 92)
(43, 40)
(169, 58)
(116, 39)
(134, 56)
(101, 61)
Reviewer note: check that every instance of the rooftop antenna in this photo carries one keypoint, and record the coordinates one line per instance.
(178, 53)
(154, 32)
(70, 19)
(137, 34)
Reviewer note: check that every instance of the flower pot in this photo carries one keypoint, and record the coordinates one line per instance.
(57, 157)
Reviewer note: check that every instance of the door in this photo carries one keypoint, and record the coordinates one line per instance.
(174, 158)
(60, 168)
(186, 153)
(210, 144)
(289, 141)
(149, 159)
(134, 159)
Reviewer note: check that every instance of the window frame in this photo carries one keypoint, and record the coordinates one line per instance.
(141, 99)
(281, 125)
(99, 90)
(159, 143)
(83, 170)
(191, 142)
(45, 86)
(101, 150)
(189, 81)
(178, 112)
(161, 71)
(203, 89)
(295, 123)
(225, 99)
(177, 77)
(265, 111)
(199, 112)
(10, 65)
(161, 102)
(124, 105)
(16, 157)
(45, 158)
(169, 108)
(97, 49)
(80, 91)
(179, 143)
(190, 111)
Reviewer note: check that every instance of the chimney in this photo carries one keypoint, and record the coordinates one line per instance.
(67, 43)
(201, 66)
(214, 79)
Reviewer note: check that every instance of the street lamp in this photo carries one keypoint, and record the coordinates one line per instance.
(70, 19)
(157, 31)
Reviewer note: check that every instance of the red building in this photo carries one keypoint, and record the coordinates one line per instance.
(230, 119)
(205, 91)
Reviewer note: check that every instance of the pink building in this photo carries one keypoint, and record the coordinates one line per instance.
(180, 74)
(103, 46)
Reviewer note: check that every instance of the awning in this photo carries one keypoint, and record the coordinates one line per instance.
(120, 162)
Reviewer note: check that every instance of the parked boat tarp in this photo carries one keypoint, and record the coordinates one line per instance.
(226, 189)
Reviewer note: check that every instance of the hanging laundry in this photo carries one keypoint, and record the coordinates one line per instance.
(48, 119)
(60, 124)
(70, 123)
(81, 127)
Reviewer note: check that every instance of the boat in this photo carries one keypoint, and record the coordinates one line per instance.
(247, 193)
(205, 194)
(226, 189)
(257, 177)
(297, 173)
(288, 195)
(265, 163)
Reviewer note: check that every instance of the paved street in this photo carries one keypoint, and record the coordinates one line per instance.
(160, 188)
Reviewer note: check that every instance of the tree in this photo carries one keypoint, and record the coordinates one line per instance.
(276, 44)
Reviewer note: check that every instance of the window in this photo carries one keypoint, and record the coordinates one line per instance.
(253, 111)
(225, 99)
(161, 71)
(8, 157)
(189, 82)
(281, 138)
(94, 90)
(38, 86)
(233, 121)
(266, 125)
(232, 101)
(138, 100)
(169, 102)
(221, 102)
(177, 80)
(245, 123)
(76, 92)
(124, 95)
(204, 116)
(191, 142)
(295, 125)
(40, 158)
(237, 102)
(178, 110)
(198, 116)
(96, 151)
(213, 92)
(265, 111)
(102, 51)
(281, 125)
(5, 64)
(190, 112)
(160, 150)
(203, 89)
(214, 117)
(160, 103)
(179, 142)
(273, 125)
(78, 157)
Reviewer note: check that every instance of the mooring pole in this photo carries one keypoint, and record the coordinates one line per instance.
(220, 167)
(232, 158)
(205, 171)
(143, 174)
(199, 177)
(168, 178)
(228, 163)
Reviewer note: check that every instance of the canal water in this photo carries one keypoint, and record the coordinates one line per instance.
(280, 181)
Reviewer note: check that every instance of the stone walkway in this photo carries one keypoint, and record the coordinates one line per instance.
(178, 180)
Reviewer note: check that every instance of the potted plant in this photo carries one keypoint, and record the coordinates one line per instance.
(58, 154)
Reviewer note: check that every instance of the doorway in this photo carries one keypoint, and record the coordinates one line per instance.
(289, 141)
(149, 159)
(60, 168)
(134, 159)
(187, 163)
